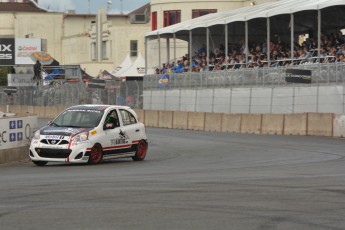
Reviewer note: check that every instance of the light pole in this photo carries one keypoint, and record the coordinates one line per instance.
(121, 6)
(109, 3)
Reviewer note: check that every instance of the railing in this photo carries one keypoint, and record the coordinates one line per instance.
(321, 73)
(61, 92)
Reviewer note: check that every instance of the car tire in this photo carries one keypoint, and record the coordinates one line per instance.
(40, 163)
(140, 153)
(96, 154)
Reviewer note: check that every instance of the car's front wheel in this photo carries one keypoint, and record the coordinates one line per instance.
(96, 154)
(40, 163)
(140, 154)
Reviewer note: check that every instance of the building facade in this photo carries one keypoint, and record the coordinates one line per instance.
(96, 42)
(102, 41)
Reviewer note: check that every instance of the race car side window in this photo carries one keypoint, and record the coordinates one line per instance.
(127, 117)
(112, 120)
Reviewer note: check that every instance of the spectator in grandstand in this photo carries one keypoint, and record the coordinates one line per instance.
(341, 58)
(341, 50)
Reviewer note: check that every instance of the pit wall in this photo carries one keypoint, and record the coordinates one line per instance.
(313, 124)
(303, 124)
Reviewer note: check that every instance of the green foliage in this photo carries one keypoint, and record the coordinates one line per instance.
(3, 75)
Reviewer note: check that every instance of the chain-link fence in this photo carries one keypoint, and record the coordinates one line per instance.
(260, 90)
(58, 92)
(320, 73)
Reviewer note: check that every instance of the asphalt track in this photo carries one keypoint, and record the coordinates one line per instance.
(189, 180)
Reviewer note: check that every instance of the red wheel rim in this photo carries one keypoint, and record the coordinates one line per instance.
(142, 149)
(96, 153)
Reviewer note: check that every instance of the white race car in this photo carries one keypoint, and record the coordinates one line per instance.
(88, 134)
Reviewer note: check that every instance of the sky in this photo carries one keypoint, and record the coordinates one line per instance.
(82, 6)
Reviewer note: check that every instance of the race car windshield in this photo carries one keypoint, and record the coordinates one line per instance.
(78, 118)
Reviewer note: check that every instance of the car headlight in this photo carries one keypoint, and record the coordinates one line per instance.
(37, 135)
(81, 137)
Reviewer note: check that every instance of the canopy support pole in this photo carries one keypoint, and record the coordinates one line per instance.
(190, 50)
(174, 47)
(146, 55)
(292, 26)
(318, 35)
(246, 42)
(159, 52)
(268, 42)
(226, 46)
(168, 51)
(208, 47)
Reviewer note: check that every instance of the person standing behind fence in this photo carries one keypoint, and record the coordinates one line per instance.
(37, 70)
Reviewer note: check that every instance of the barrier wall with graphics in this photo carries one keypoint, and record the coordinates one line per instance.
(15, 136)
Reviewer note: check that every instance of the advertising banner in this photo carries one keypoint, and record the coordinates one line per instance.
(20, 80)
(17, 131)
(7, 56)
(298, 75)
(24, 47)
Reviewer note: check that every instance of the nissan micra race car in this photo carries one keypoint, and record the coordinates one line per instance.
(88, 134)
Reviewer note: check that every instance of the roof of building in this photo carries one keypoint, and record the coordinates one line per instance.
(19, 7)
(145, 9)
(243, 14)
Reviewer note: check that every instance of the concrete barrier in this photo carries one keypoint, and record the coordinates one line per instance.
(320, 124)
(20, 110)
(295, 124)
(3, 108)
(61, 108)
(151, 118)
(213, 122)
(180, 120)
(196, 121)
(14, 155)
(231, 123)
(272, 124)
(339, 125)
(50, 112)
(31, 109)
(40, 111)
(251, 123)
(141, 114)
(165, 119)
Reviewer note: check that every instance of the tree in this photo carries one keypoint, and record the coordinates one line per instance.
(4, 70)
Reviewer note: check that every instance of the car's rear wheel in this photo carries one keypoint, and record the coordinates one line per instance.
(96, 154)
(40, 163)
(140, 154)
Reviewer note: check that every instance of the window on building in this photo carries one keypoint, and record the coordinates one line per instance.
(198, 13)
(154, 20)
(93, 51)
(104, 50)
(172, 17)
(134, 48)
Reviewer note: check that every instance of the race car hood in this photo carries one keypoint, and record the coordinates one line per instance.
(63, 131)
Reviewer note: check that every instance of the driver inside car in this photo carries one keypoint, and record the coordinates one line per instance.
(111, 121)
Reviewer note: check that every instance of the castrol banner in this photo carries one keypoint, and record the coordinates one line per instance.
(24, 47)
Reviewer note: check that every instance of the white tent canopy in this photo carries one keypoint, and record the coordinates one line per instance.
(137, 69)
(124, 66)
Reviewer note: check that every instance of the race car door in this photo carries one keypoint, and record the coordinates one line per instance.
(130, 127)
(117, 140)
